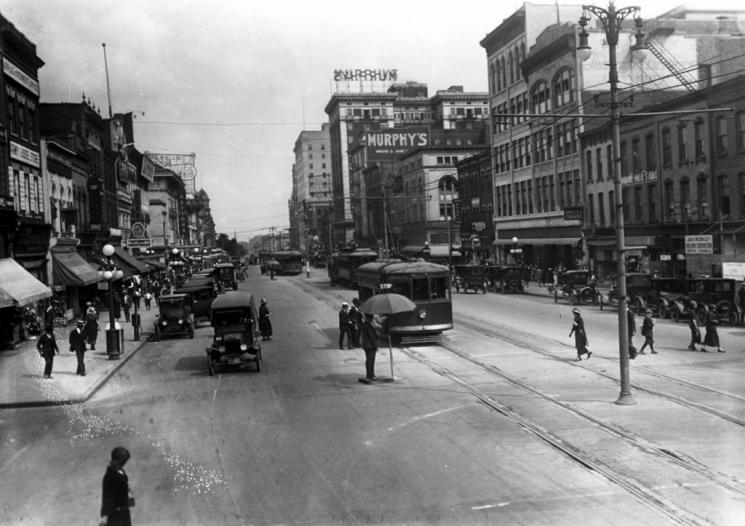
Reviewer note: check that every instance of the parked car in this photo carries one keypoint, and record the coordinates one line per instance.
(638, 285)
(506, 279)
(576, 286)
(667, 297)
(720, 292)
(175, 316)
(471, 277)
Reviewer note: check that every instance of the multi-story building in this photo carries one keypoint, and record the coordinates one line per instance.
(401, 116)
(474, 206)
(311, 189)
(167, 193)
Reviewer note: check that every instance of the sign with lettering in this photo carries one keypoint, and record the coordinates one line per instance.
(352, 75)
(642, 176)
(478, 226)
(20, 76)
(138, 242)
(574, 213)
(733, 270)
(23, 154)
(666, 257)
(699, 244)
(383, 144)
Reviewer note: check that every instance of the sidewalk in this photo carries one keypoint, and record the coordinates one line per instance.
(21, 382)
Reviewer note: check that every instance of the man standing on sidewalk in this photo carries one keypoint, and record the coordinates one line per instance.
(47, 347)
(77, 344)
(369, 340)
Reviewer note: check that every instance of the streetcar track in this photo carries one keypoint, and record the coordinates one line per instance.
(641, 443)
(648, 496)
(685, 402)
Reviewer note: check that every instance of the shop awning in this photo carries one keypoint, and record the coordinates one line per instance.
(72, 270)
(129, 264)
(435, 251)
(539, 241)
(18, 287)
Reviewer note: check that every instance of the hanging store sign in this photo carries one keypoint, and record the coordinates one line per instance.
(382, 144)
(20, 77)
(699, 244)
(642, 176)
(23, 154)
(733, 270)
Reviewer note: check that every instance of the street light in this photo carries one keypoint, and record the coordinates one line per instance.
(516, 251)
(612, 20)
(111, 273)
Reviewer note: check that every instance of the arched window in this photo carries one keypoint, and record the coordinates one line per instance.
(563, 87)
(503, 71)
(669, 199)
(518, 63)
(540, 98)
(685, 198)
(54, 190)
(492, 85)
(702, 196)
(510, 66)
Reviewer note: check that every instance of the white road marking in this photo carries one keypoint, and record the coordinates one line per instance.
(214, 394)
(422, 417)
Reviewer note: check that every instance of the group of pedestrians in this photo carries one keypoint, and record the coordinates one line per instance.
(361, 330)
(350, 323)
(711, 338)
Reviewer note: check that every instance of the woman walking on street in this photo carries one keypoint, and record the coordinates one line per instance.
(695, 334)
(116, 498)
(580, 336)
(648, 332)
(265, 325)
(712, 335)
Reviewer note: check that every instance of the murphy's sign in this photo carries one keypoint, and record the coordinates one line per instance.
(382, 144)
(353, 75)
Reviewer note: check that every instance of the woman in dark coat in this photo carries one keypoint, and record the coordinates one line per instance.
(580, 336)
(90, 330)
(265, 325)
(116, 498)
(712, 335)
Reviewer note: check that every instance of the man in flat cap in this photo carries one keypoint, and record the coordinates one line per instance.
(77, 345)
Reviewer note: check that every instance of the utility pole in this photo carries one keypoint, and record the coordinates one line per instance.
(108, 86)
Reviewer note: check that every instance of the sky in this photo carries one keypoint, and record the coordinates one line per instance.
(235, 81)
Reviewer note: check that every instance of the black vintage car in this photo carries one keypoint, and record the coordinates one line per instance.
(638, 285)
(234, 322)
(667, 297)
(175, 317)
(719, 292)
(471, 277)
(576, 286)
(201, 292)
(506, 279)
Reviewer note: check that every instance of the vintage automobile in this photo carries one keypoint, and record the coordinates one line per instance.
(576, 286)
(201, 293)
(667, 297)
(720, 292)
(175, 317)
(506, 279)
(638, 285)
(234, 342)
(471, 277)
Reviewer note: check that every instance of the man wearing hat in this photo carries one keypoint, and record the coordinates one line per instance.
(116, 496)
(47, 347)
(345, 326)
(77, 345)
(648, 332)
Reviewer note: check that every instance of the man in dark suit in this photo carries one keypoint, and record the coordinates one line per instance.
(77, 344)
(47, 346)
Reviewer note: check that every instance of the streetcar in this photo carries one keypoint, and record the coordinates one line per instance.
(426, 284)
(343, 265)
(290, 261)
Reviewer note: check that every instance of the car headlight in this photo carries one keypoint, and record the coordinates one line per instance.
(181, 322)
(164, 323)
(422, 314)
(244, 347)
(220, 349)
(218, 338)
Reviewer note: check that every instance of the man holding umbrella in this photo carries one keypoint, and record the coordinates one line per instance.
(369, 340)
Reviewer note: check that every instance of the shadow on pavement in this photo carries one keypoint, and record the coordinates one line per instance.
(348, 380)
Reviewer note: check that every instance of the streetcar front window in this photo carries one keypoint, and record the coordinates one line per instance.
(439, 288)
(421, 289)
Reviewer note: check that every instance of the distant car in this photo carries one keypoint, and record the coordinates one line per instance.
(506, 279)
(638, 285)
(720, 292)
(666, 297)
(175, 316)
(576, 286)
(471, 277)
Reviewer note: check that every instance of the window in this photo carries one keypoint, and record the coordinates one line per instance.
(740, 131)
(669, 200)
(741, 184)
(724, 195)
(722, 136)
(588, 165)
(636, 159)
(650, 152)
(612, 206)
(625, 203)
(652, 202)
(624, 160)
(609, 161)
(551, 193)
(591, 208)
(577, 188)
(599, 162)
(511, 67)
(540, 98)
(685, 197)
(698, 138)
(682, 143)
(667, 148)
(12, 116)
(563, 88)
(601, 208)
(560, 180)
(638, 204)
(702, 202)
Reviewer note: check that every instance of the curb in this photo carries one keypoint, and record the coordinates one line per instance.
(144, 338)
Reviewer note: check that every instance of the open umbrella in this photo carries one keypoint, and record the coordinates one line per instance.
(388, 303)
